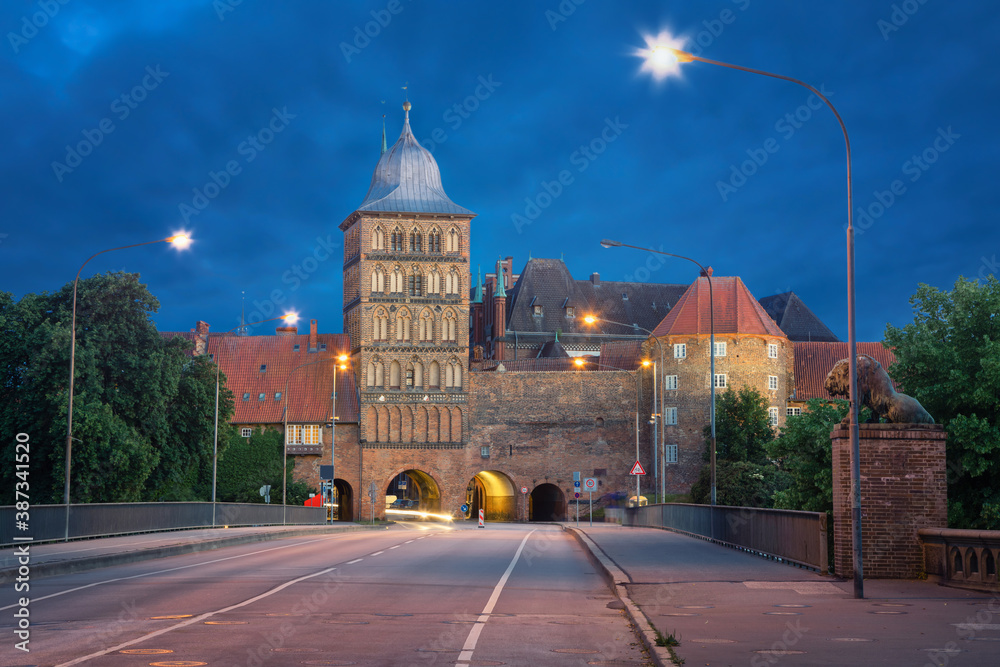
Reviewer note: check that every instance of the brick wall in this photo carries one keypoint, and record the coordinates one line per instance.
(903, 489)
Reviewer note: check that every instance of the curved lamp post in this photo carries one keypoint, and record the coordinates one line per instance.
(340, 359)
(667, 57)
(290, 318)
(181, 242)
(657, 406)
(711, 349)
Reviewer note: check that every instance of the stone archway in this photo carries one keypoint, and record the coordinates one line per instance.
(547, 503)
(416, 486)
(492, 491)
(343, 501)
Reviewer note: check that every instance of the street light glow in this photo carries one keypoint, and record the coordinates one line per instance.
(181, 240)
(291, 317)
(590, 319)
(662, 55)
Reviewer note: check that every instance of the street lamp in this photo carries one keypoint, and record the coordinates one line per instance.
(670, 58)
(289, 318)
(711, 351)
(657, 406)
(180, 241)
(333, 427)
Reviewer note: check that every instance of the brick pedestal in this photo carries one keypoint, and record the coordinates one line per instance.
(903, 489)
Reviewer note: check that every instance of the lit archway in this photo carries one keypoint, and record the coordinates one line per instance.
(547, 503)
(415, 486)
(343, 501)
(493, 492)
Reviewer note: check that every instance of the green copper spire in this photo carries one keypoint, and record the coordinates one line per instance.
(500, 291)
(478, 296)
(384, 148)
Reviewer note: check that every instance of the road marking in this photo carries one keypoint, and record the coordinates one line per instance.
(470, 642)
(172, 569)
(407, 541)
(395, 547)
(356, 560)
(377, 553)
(196, 619)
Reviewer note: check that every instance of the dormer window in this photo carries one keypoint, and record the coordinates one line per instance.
(295, 348)
(570, 311)
(261, 396)
(246, 396)
(277, 396)
(263, 368)
(322, 347)
(537, 311)
(624, 296)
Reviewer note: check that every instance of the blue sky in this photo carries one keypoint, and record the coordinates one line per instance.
(257, 127)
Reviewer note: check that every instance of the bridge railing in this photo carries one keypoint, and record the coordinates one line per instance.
(48, 522)
(962, 558)
(796, 537)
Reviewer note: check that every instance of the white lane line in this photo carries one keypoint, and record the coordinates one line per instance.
(470, 643)
(407, 541)
(395, 547)
(172, 569)
(356, 560)
(377, 553)
(194, 620)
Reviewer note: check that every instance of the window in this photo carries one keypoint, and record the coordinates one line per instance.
(378, 239)
(793, 412)
(397, 240)
(426, 327)
(772, 382)
(453, 375)
(484, 451)
(261, 396)
(380, 330)
(435, 375)
(394, 375)
(670, 454)
(246, 396)
(295, 348)
(720, 349)
(375, 371)
(322, 347)
(720, 380)
(448, 327)
(670, 382)
(434, 282)
(680, 350)
(416, 284)
(304, 435)
(396, 281)
(418, 374)
(670, 416)
(772, 416)
(772, 350)
(211, 357)
(403, 326)
(537, 312)
(277, 395)
(378, 280)
(246, 432)
(451, 283)
(416, 240)
(570, 311)
(409, 378)
(434, 241)
(452, 240)
(263, 367)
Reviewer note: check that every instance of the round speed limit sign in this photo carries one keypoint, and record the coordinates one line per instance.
(524, 489)
(590, 484)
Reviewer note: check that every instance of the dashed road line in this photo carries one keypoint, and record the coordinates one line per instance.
(395, 547)
(377, 553)
(356, 560)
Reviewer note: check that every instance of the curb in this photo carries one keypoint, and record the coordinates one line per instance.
(618, 581)
(75, 565)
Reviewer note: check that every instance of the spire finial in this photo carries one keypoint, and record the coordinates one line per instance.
(406, 103)
(384, 148)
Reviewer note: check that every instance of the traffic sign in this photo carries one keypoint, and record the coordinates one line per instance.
(524, 489)
(590, 484)
(482, 517)
(465, 508)
(637, 469)
(576, 495)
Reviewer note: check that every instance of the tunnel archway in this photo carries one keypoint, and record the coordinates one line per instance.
(416, 486)
(343, 501)
(547, 503)
(492, 491)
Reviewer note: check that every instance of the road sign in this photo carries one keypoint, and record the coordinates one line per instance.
(576, 485)
(577, 495)
(590, 484)
(576, 477)
(482, 518)
(465, 508)
(325, 471)
(637, 469)
(524, 489)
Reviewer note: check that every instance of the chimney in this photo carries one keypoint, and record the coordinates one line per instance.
(201, 338)
(595, 278)
(508, 272)
(312, 336)
(286, 331)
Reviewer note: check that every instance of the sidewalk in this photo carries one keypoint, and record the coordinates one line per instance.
(53, 558)
(727, 607)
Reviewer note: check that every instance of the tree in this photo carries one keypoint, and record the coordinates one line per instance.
(948, 358)
(742, 426)
(141, 414)
(250, 463)
(804, 450)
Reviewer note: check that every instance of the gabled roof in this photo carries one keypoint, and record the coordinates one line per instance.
(552, 349)
(621, 355)
(795, 319)
(548, 283)
(309, 395)
(407, 180)
(813, 361)
(736, 310)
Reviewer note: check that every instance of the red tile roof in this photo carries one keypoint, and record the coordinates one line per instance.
(813, 361)
(308, 394)
(736, 311)
(621, 355)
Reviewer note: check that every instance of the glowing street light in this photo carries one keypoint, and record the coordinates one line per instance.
(180, 241)
(664, 43)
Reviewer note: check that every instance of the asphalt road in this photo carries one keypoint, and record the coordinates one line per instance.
(416, 594)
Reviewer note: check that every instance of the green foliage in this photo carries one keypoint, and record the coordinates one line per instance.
(948, 358)
(742, 427)
(740, 483)
(250, 463)
(143, 411)
(804, 451)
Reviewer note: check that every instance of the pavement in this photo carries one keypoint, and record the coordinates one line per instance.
(728, 607)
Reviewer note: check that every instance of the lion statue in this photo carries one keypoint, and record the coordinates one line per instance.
(876, 391)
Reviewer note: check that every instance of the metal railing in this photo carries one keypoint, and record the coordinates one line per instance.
(965, 558)
(48, 522)
(799, 538)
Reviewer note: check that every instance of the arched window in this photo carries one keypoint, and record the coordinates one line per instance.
(435, 375)
(434, 241)
(426, 326)
(378, 280)
(448, 327)
(453, 374)
(416, 283)
(452, 283)
(397, 240)
(380, 330)
(453, 240)
(418, 375)
(371, 374)
(433, 282)
(416, 240)
(394, 375)
(378, 239)
(458, 375)
(403, 325)
(375, 373)
(396, 281)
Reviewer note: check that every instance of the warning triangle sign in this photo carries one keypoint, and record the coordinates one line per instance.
(637, 469)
